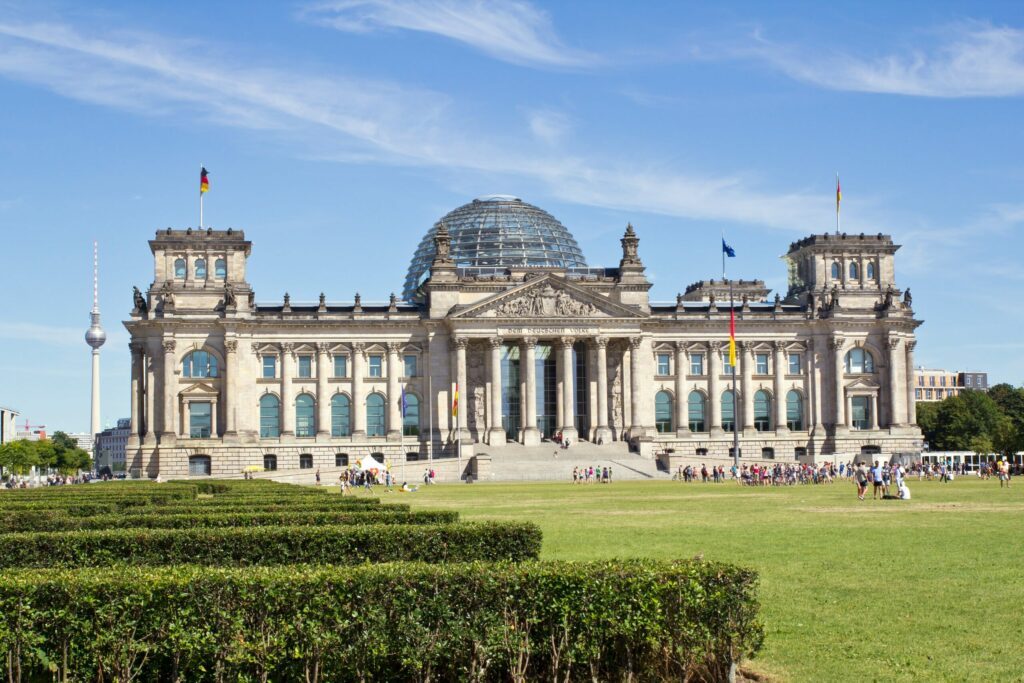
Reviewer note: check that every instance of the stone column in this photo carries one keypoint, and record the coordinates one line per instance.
(814, 383)
(895, 401)
(838, 372)
(635, 428)
(604, 432)
(780, 387)
(682, 424)
(909, 362)
(170, 395)
(358, 397)
(528, 354)
(568, 396)
(874, 412)
(747, 387)
(137, 361)
(230, 381)
(287, 397)
(496, 437)
(394, 393)
(714, 391)
(460, 379)
(149, 419)
(323, 391)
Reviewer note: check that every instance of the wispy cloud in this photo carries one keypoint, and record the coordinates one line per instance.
(515, 32)
(368, 121)
(548, 125)
(971, 60)
(42, 334)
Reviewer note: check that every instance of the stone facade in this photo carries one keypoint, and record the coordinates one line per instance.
(824, 373)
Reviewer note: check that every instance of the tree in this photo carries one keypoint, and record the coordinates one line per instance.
(19, 456)
(1011, 402)
(960, 419)
(69, 458)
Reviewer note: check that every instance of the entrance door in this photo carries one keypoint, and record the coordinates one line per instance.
(547, 391)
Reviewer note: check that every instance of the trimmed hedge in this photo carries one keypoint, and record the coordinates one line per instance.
(130, 506)
(34, 521)
(612, 621)
(234, 547)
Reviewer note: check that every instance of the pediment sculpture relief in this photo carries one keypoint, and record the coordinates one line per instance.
(543, 302)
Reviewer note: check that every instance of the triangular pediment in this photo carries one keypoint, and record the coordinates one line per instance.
(200, 389)
(862, 383)
(547, 297)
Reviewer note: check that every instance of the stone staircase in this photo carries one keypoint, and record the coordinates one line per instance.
(548, 462)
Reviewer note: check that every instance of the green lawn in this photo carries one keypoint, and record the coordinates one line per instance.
(924, 590)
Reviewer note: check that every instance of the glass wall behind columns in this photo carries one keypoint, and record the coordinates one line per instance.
(581, 394)
(510, 400)
(547, 390)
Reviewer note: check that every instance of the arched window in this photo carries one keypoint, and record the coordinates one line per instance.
(728, 412)
(762, 411)
(270, 462)
(795, 411)
(199, 364)
(411, 421)
(179, 269)
(201, 269)
(199, 465)
(270, 417)
(835, 271)
(663, 412)
(305, 415)
(854, 271)
(341, 415)
(859, 361)
(220, 269)
(375, 415)
(696, 407)
(871, 270)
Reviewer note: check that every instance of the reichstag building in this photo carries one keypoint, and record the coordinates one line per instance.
(505, 336)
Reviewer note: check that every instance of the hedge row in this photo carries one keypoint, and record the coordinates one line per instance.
(131, 506)
(612, 621)
(236, 547)
(34, 521)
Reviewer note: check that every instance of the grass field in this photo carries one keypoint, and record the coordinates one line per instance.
(924, 590)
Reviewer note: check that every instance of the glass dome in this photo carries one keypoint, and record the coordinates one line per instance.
(498, 231)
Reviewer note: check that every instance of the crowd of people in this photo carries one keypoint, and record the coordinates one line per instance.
(21, 482)
(591, 475)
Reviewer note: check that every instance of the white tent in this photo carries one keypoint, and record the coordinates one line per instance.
(369, 463)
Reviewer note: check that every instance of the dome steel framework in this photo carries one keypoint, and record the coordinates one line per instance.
(498, 231)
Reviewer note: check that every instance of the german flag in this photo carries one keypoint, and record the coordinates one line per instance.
(839, 193)
(732, 338)
(455, 400)
(204, 182)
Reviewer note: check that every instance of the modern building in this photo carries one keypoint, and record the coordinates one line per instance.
(109, 456)
(8, 429)
(937, 385)
(83, 441)
(506, 337)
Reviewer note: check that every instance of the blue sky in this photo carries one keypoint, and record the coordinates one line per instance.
(336, 133)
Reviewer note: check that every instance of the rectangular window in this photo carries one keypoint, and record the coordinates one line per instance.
(795, 364)
(376, 365)
(928, 394)
(938, 393)
(341, 366)
(931, 381)
(696, 363)
(968, 379)
(269, 367)
(917, 394)
(761, 363)
(942, 380)
(200, 419)
(726, 367)
(920, 381)
(663, 364)
(410, 366)
(305, 366)
(861, 412)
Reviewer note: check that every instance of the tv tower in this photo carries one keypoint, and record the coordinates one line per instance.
(95, 337)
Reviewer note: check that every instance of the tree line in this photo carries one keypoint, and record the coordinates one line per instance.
(60, 453)
(978, 421)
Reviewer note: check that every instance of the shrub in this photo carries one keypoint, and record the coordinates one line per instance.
(274, 545)
(611, 621)
(11, 522)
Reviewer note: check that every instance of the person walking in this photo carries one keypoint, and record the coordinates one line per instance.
(860, 477)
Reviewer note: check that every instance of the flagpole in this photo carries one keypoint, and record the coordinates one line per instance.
(837, 202)
(735, 411)
(201, 198)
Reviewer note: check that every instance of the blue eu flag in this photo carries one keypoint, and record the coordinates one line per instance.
(727, 250)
